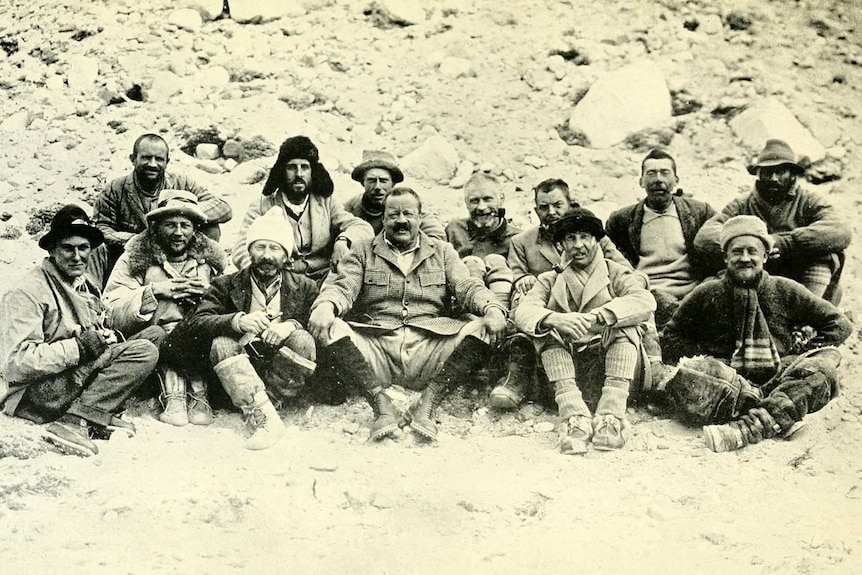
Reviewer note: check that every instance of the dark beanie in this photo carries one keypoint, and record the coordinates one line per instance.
(577, 220)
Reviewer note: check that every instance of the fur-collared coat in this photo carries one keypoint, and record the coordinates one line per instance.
(143, 263)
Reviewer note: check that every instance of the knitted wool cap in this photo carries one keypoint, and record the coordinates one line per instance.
(745, 226)
(273, 227)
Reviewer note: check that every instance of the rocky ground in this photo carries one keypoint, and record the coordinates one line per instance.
(449, 87)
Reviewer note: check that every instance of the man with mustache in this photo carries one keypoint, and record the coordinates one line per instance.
(301, 188)
(251, 325)
(120, 210)
(808, 235)
(739, 361)
(158, 281)
(377, 173)
(482, 239)
(59, 363)
(381, 319)
(531, 253)
(588, 315)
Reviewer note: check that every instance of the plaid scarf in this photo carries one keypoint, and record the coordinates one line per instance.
(755, 354)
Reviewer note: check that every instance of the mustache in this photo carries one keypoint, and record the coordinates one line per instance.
(401, 227)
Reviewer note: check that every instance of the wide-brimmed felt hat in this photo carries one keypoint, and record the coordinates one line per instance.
(776, 153)
(177, 203)
(71, 220)
(377, 159)
(577, 220)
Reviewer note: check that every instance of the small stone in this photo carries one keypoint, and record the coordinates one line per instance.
(535, 161)
(544, 427)
(249, 173)
(711, 24)
(231, 149)
(453, 67)
(16, 122)
(206, 151)
(401, 12)
(186, 18)
(82, 73)
(209, 166)
(351, 428)
(230, 164)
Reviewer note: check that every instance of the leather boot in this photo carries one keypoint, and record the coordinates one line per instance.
(199, 412)
(464, 360)
(522, 368)
(265, 422)
(72, 435)
(173, 398)
(353, 371)
(247, 392)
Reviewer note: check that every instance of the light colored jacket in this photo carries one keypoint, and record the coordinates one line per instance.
(371, 291)
(328, 221)
(41, 316)
(129, 294)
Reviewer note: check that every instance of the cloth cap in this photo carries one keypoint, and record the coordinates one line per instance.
(273, 227)
(377, 159)
(745, 226)
(71, 220)
(776, 153)
(177, 203)
(577, 220)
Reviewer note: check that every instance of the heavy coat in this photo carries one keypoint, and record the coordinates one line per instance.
(624, 229)
(614, 291)
(532, 253)
(804, 225)
(706, 322)
(41, 315)
(471, 241)
(427, 223)
(328, 220)
(371, 291)
(144, 263)
(121, 209)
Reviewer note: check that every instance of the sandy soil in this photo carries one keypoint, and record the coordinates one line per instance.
(494, 496)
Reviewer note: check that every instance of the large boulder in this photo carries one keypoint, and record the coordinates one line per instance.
(82, 73)
(434, 160)
(624, 101)
(768, 119)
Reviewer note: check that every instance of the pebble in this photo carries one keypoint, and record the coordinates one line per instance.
(206, 151)
(544, 427)
(453, 67)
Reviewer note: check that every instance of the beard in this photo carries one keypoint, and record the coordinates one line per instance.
(774, 191)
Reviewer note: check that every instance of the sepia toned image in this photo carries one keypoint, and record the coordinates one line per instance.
(457, 286)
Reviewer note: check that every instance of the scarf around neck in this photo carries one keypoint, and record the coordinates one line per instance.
(755, 353)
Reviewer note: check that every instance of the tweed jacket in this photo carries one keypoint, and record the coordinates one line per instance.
(804, 226)
(328, 221)
(121, 209)
(624, 229)
(427, 223)
(615, 292)
(370, 290)
(470, 241)
(532, 252)
(129, 289)
(786, 305)
(41, 316)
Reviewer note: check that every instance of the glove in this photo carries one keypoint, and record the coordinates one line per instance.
(91, 344)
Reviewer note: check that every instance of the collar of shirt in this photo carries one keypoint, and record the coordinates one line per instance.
(398, 250)
(294, 209)
(268, 291)
(651, 214)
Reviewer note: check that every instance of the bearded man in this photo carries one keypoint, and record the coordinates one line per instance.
(158, 280)
(251, 324)
(740, 360)
(808, 235)
(301, 188)
(120, 210)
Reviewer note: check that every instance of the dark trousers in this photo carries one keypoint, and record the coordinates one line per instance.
(94, 390)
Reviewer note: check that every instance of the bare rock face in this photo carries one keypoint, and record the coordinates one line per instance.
(624, 101)
(261, 11)
(435, 160)
(768, 119)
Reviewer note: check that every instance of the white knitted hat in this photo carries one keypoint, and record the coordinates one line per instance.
(271, 226)
(745, 226)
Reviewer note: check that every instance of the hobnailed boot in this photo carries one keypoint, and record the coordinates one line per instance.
(72, 435)
(422, 419)
(522, 367)
(247, 392)
(610, 420)
(264, 420)
(757, 424)
(199, 410)
(173, 398)
(385, 414)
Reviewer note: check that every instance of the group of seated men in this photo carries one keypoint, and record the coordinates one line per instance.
(353, 299)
